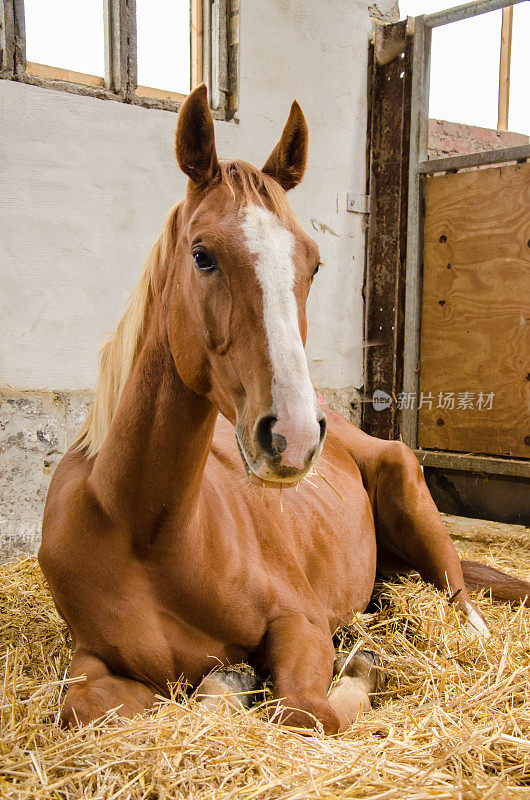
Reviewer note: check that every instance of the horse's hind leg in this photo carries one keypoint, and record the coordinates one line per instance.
(101, 692)
(409, 530)
(408, 526)
(359, 677)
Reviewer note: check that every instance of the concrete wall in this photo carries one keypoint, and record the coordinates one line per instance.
(85, 185)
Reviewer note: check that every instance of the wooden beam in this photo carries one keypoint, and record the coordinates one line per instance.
(463, 461)
(59, 74)
(160, 94)
(504, 68)
(196, 37)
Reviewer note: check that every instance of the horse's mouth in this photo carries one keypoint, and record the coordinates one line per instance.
(267, 484)
(279, 482)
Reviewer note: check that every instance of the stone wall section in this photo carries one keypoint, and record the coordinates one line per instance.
(36, 429)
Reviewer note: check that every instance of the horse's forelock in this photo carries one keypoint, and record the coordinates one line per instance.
(250, 186)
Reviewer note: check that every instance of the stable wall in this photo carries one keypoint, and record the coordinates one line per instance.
(85, 185)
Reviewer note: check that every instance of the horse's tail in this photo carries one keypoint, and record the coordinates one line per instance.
(501, 585)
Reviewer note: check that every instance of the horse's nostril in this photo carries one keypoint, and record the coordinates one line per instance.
(264, 434)
(274, 444)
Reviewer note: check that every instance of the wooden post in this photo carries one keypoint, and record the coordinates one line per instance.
(196, 43)
(504, 68)
(120, 46)
(12, 38)
(389, 131)
(7, 38)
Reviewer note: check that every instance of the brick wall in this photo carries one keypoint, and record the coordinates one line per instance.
(452, 138)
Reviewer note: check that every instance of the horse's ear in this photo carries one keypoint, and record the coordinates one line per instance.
(287, 161)
(195, 138)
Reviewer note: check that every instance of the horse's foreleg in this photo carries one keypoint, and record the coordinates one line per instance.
(409, 526)
(100, 692)
(300, 657)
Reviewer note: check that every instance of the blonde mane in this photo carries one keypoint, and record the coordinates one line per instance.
(117, 357)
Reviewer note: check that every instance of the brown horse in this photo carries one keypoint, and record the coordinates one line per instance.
(164, 559)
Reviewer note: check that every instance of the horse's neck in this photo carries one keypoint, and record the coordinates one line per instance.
(152, 460)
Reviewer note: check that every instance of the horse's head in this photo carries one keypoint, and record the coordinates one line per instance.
(244, 267)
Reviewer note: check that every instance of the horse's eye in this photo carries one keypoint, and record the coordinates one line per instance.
(204, 261)
(315, 271)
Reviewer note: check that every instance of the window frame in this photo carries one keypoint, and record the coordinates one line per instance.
(210, 50)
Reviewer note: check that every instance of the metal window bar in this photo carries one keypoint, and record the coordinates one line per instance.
(419, 167)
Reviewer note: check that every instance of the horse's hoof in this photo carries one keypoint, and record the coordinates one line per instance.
(364, 664)
(237, 687)
(307, 715)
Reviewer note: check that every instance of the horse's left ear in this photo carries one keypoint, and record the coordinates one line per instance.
(195, 138)
(287, 161)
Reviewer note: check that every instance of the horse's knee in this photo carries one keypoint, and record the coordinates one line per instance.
(398, 463)
(80, 708)
(401, 487)
(94, 699)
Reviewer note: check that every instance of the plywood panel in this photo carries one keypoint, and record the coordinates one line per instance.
(475, 335)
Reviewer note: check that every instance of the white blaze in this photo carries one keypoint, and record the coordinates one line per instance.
(293, 397)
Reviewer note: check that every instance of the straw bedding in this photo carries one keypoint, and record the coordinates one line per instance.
(453, 721)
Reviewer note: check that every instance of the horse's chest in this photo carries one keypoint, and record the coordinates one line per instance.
(209, 609)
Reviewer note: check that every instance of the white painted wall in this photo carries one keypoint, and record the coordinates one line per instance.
(85, 185)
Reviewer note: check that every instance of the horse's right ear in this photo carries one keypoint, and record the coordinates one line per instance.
(195, 139)
(287, 161)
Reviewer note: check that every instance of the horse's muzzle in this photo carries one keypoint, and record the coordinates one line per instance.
(282, 451)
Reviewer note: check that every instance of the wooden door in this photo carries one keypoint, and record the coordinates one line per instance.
(475, 325)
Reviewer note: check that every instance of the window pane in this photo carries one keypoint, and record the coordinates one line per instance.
(465, 66)
(163, 41)
(465, 71)
(519, 113)
(413, 8)
(66, 33)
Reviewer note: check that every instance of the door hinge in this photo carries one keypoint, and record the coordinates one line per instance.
(358, 203)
